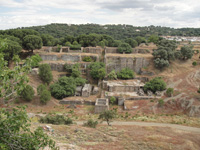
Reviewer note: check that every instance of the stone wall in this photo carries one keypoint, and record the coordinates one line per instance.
(101, 105)
(135, 50)
(95, 50)
(117, 63)
(47, 57)
(77, 102)
(71, 58)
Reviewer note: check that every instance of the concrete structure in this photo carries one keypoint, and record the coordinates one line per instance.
(102, 104)
(86, 90)
(78, 91)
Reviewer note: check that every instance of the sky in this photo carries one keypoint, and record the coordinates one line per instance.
(170, 13)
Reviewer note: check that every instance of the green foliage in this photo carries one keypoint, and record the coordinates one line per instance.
(80, 81)
(156, 84)
(13, 48)
(97, 70)
(112, 100)
(194, 63)
(161, 102)
(74, 69)
(161, 63)
(15, 132)
(170, 92)
(186, 52)
(27, 93)
(87, 59)
(133, 43)
(91, 123)
(45, 73)
(124, 48)
(101, 43)
(154, 39)
(35, 60)
(126, 73)
(31, 42)
(45, 96)
(48, 40)
(56, 119)
(107, 116)
(41, 88)
(65, 86)
(112, 75)
(140, 40)
(198, 90)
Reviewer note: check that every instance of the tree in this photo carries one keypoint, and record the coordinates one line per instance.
(35, 60)
(124, 48)
(65, 86)
(80, 81)
(27, 93)
(31, 42)
(133, 43)
(140, 40)
(48, 40)
(161, 63)
(41, 88)
(107, 116)
(15, 132)
(97, 70)
(112, 100)
(186, 52)
(126, 73)
(12, 81)
(154, 39)
(45, 96)
(112, 75)
(13, 48)
(156, 84)
(45, 73)
(170, 92)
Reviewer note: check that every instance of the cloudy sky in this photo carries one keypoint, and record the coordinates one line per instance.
(171, 13)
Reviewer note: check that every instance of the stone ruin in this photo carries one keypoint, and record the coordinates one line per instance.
(102, 104)
(86, 90)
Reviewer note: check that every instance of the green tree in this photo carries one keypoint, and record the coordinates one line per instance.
(161, 63)
(107, 116)
(15, 132)
(97, 70)
(133, 43)
(126, 73)
(80, 81)
(35, 60)
(156, 84)
(154, 39)
(140, 40)
(112, 100)
(41, 88)
(112, 75)
(45, 96)
(186, 52)
(31, 42)
(45, 73)
(27, 93)
(48, 40)
(124, 48)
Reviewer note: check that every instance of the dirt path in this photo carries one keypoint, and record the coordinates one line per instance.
(145, 124)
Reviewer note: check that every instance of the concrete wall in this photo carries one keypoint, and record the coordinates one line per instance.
(101, 105)
(118, 63)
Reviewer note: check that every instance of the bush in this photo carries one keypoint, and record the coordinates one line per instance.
(170, 92)
(161, 63)
(35, 60)
(126, 73)
(112, 100)
(74, 69)
(56, 119)
(156, 84)
(112, 75)
(97, 70)
(194, 63)
(91, 123)
(28, 93)
(45, 73)
(41, 88)
(45, 96)
(80, 81)
(124, 48)
(161, 102)
(65, 86)
(198, 90)
(87, 59)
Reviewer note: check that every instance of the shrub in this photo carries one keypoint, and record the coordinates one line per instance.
(156, 84)
(161, 102)
(56, 119)
(170, 92)
(91, 123)
(97, 70)
(87, 59)
(80, 81)
(28, 93)
(126, 73)
(45, 73)
(112, 75)
(41, 88)
(186, 52)
(124, 48)
(45, 96)
(35, 60)
(194, 63)
(65, 86)
(74, 69)
(198, 90)
(161, 63)
(112, 100)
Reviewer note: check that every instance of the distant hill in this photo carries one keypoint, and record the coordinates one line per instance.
(118, 32)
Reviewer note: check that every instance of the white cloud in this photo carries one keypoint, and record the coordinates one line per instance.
(173, 13)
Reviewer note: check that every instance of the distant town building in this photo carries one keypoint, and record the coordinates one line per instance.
(182, 38)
